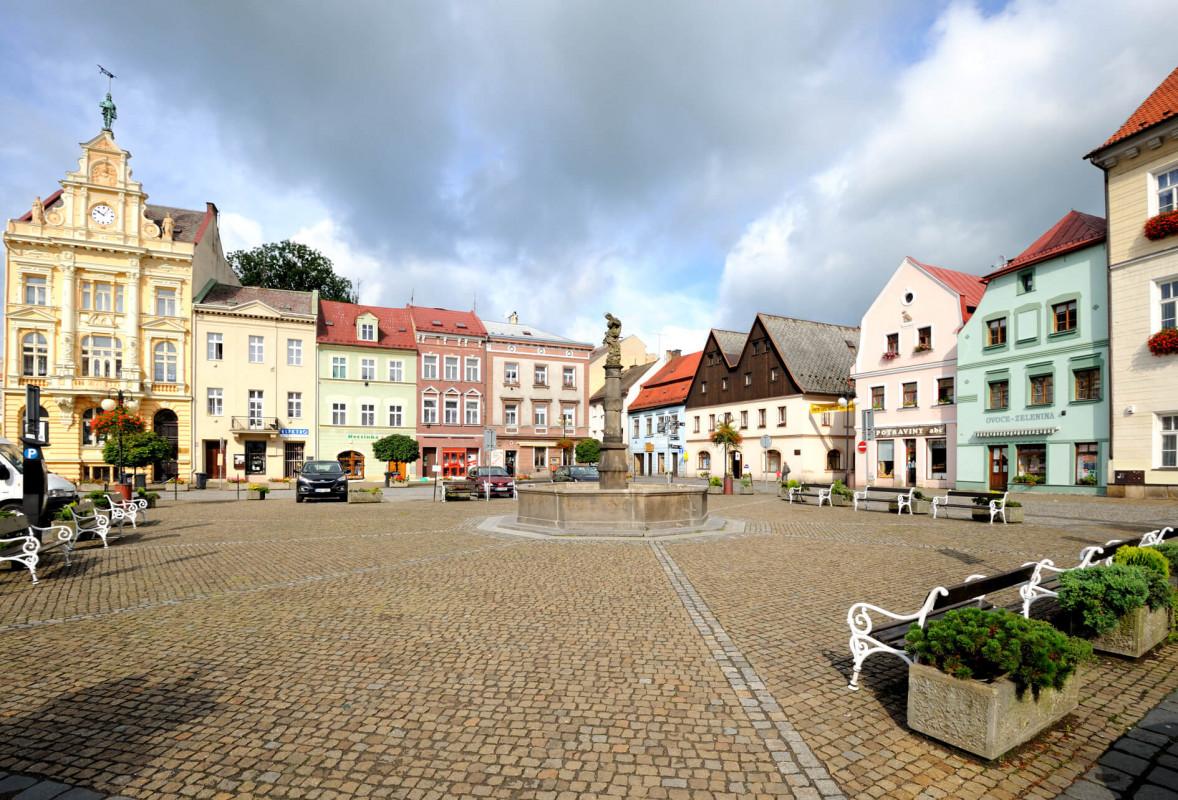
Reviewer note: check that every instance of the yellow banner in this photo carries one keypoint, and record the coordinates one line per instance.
(823, 408)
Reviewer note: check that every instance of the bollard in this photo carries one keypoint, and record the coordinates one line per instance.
(487, 489)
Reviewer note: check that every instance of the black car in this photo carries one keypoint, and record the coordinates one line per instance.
(576, 474)
(321, 480)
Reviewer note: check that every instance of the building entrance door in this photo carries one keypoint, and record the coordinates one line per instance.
(453, 463)
(998, 468)
(910, 461)
(509, 462)
(292, 458)
(214, 459)
(255, 457)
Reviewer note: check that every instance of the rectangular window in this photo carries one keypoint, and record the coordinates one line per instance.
(1086, 457)
(339, 413)
(938, 459)
(760, 418)
(473, 370)
(511, 414)
(924, 339)
(568, 416)
(1032, 460)
(569, 377)
(910, 395)
(748, 379)
(511, 373)
(339, 367)
(723, 384)
(773, 375)
(944, 391)
(215, 346)
(649, 425)
(781, 416)
(711, 422)
(1026, 281)
(470, 411)
(368, 369)
(294, 352)
(996, 332)
(367, 414)
(540, 458)
(877, 398)
(396, 370)
(429, 410)
(1168, 191)
(893, 344)
(695, 425)
(36, 291)
(257, 349)
(1169, 425)
(827, 418)
(744, 419)
(450, 410)
(99, 296)
(429, 368)
(541, 375)
(1042, 390)
(886, 451)
(451, 368)
(1087, 383)
(1064, 316)
(999, 395)
(703, 387)
(255, 408)
(294, 404)
(396, 416)
(1169, 295)
(216, 402)
(540, 416)
(165, 302)
(637, 430)
(367, 331)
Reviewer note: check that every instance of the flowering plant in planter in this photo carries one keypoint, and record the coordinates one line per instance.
(889, 355)
(1161, 226)
(1164, 342)
(109, 423)
(923, 348)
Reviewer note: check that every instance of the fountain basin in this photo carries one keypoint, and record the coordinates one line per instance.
(585, 508)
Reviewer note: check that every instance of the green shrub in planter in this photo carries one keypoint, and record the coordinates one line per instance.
(1145, 557)
(841, 490)
(984, 645)
(1169, 551)
(1097, 597)
(714, 481)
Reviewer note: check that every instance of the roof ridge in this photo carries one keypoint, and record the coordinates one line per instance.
(1161, 105)
(808, 321)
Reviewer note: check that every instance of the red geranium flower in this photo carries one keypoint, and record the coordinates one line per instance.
(1161, 226)
(1164, 342)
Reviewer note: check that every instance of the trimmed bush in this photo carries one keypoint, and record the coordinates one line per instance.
(1097, 597)
(1144, 557)
(841, 490)
(715, 481)
(985, 645)
(1169, 551)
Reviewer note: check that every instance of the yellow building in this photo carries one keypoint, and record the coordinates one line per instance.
(98, 298)
(1140, 163)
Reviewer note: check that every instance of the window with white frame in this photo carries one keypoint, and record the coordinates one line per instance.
(368, 369)
(36, 290)
(1168, 293)
(368, 331)
(339, 413)
(429, 367)
(294, 352)
(540, 416)
(1168, 423)
(781, 416)
(339, 367)
(429, 410)
(541, 374)
(34, 349)
(368, 414)
(450, 411)
(396, 370)
(695, 424)
(164, 361)
(760, 418)
(215, 346)
(451, 373)
(294, 405)
(255, 408)
(396, 415)
(511, 414)
(257, 349)
(511, 373)
(89, 437)
(102, 357)
(470, 411)
(1168, 190)
(540, 457)
(165, 302)
(216, 402)
(102, 296)
(569, 377)
(637, 431)
(473, 370)
(569, 416)
(744, 419)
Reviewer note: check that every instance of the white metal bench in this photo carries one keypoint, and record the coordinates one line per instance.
(30, 547)
(123, 511)
(997, 505)
(823, 493)
(901, 497)
(88, 520)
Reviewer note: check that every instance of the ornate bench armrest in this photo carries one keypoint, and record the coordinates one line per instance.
(863, 644)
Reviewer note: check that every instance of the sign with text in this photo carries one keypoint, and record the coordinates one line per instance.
(1129, 477)
(826, 408)
(293, 431)
(910, 430)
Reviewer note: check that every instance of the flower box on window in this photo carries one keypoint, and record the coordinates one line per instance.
(923, 348)
(1161, 226)
(1164, 342)
(890, 354)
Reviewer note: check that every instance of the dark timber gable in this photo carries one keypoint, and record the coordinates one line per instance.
(759, 360)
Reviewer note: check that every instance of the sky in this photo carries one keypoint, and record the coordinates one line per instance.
(683, 165)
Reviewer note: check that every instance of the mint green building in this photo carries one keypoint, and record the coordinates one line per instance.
(1033, 367)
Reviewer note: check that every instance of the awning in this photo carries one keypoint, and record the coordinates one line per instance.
(1011, 432)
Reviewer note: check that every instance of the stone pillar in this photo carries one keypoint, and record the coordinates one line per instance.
(67, 365)
(131, 366)
(612, 466)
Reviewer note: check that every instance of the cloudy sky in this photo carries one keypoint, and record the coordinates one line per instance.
(682, 164)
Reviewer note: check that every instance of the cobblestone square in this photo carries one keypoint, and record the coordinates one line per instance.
(243, 649)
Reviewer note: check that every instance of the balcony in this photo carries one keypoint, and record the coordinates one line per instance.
(267, 426)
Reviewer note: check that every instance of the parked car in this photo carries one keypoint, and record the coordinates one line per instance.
(577, 473)
(58, 491)
(502, 484)
(321, 480)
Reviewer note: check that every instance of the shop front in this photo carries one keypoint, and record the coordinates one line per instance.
(1022, 459)
(910, 455)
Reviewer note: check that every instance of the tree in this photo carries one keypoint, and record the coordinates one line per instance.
(397, 448)
(136, 450)
(588, 451)
(290, 265)
(728, 436)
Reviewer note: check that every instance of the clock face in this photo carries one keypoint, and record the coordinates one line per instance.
(102, 214)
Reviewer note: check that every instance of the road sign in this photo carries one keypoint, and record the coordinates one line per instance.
(766, 441)
(32, 453)
(862, 447)
(489, 439)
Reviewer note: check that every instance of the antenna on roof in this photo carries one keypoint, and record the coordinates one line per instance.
(1000, 263)
(474, 303)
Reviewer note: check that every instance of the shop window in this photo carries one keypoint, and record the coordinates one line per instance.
(886, 450)
(1032, 461)
(1086, 458)
(938, 459)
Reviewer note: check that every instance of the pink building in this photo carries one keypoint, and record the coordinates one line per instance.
(905, 374)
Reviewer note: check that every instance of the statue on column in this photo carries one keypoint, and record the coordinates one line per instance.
(38, 211)
(613, 340)
(109, 114)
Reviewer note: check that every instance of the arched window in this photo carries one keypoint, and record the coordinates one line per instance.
(352, 463)
(102, 357)
(705, 460)
(834, 460)
(35, 355)
(89, 438)
(163, 359)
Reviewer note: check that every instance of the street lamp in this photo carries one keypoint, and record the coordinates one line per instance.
(845, 405)
(110, 404)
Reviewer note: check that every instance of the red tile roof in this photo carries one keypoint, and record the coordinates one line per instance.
(460, 323)
(337, 325)
(1075, 231)
(1160, 106)
(969, 288)
(670, 385)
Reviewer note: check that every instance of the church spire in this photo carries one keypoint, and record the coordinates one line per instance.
(107, 106)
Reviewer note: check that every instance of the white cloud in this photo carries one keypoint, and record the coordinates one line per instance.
(239, 232)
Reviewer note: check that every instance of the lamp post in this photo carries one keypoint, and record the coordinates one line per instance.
(130, 404)
(845, 405)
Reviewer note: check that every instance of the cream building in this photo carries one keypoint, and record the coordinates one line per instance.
(98, 290)
(1140, 163)
(633, 353)
(255, 382)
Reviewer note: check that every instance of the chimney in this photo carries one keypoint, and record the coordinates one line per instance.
(674, 354)
(513, 318)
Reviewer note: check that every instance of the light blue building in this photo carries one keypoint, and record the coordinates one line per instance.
(657, 415)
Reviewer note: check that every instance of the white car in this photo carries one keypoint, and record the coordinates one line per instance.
(59, 491)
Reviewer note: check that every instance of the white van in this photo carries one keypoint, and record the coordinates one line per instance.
(58, 491)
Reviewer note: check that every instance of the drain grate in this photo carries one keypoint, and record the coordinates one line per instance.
(964, 558)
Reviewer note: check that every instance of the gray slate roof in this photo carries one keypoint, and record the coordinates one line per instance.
(818, 355)
(731, 343)
(281, 300)
(526, 333)
(187, 221)
(630, 376)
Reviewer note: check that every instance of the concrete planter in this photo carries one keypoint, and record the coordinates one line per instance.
(840, 500)
(1013, 515)
(1015, 488)
(364, 497)
(745, 489)
(986, 719)
(918, 507)
(257, 495)
(1136, 634)
(13, 526)
(715, 489)
(783, 491)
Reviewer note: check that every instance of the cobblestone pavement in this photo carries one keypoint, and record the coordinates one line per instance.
(244, 649)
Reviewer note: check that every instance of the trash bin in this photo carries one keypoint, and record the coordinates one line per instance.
(140, 481)
(388, 477)
(201, 479)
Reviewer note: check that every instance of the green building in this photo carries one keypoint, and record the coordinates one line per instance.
(1033, 366)
(367, 362)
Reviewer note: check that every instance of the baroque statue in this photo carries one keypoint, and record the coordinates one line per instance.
(109, 114)
(613, 340)
(168, 225)
(38, 211)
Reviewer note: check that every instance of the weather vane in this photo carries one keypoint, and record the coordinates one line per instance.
(107, 106)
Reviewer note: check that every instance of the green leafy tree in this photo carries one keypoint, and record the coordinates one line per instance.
(397, 448)
(137, 449)
(588, 451)
(290, 265)
(729, 438)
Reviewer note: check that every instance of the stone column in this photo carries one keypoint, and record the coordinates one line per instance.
(612, 466)
(131, 365)
(67, 365)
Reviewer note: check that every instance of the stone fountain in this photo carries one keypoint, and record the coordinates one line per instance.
(612, 507)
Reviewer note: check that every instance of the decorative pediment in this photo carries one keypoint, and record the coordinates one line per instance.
(99, 319)
(33, 313)
(253, 308)
(167, 324)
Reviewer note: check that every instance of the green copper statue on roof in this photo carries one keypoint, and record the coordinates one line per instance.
(109, 114)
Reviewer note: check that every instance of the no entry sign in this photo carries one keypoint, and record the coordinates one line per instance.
(861, 447)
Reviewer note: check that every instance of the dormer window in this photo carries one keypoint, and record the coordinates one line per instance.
(366, 331)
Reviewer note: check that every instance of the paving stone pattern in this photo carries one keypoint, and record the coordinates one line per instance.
(245, 649)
